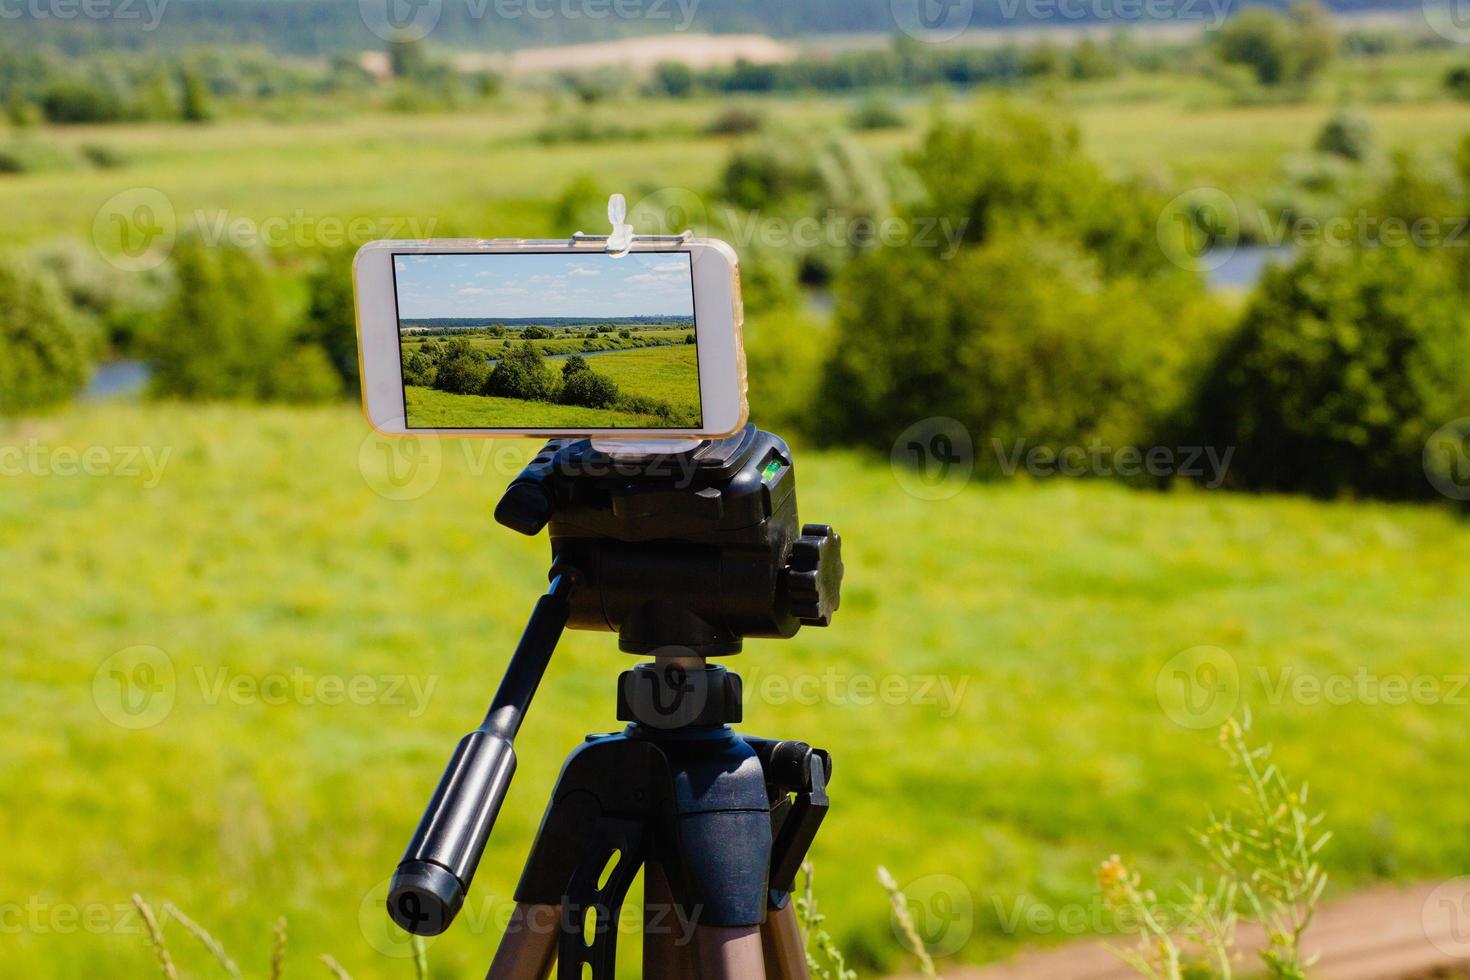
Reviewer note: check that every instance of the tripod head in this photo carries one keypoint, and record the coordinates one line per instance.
(695, 550)
(682, 554)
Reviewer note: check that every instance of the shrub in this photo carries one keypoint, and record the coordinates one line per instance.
(220, 335)
(1024, 340)
(1344, 364)
(588, 388)
(574, 364)
(303, 373)
(1017, 168)
(521, 373)
(462, 370)
(419, 370)
(1457, 82)
(331, 318)
(673, 78)
(68, 101)
(735, 121)
(875, 114)
(45, 356)
(537, 333)
(1347, 135)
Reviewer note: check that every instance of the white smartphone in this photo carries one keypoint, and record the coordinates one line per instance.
(550, 338)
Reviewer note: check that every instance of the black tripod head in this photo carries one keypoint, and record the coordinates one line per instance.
(692, 550)
(683, 555)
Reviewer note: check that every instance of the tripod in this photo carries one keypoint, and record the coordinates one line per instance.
(683, 555)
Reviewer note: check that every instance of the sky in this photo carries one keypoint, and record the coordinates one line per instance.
(521, 285)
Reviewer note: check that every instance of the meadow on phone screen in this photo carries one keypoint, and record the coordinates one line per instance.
(548, 340)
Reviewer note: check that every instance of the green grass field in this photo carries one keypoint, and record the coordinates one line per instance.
(430, 409)
(1020, 632)
(668, 374)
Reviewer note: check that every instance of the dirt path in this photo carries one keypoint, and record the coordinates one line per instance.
(1381, 934)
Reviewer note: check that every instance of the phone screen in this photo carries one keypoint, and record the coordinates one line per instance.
(548, 340)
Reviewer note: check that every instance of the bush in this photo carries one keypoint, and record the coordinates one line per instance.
(876, 114)
(419, 370)
(220, 336)
(1347, 135)
(589, 389)
(1016, 168)
(1025, 341)
(81, 102)
(45, 357)
(1279, 49)
(1457, 82)
(462, 370)
(303, 373)
(735, 121)
(537, 333)
(574, 364)
(521, 373)
(331, 318)
(1343, 365)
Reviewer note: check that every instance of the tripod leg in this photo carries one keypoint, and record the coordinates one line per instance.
(528, 948)
(667, 952)
(729, 953)
(781, 941)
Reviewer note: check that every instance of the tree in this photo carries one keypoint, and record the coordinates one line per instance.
(45, 357)
(408, 57)
(1315, 39)
(589, 389)
(221, 332)
(193, 97)
(673, 78)
(521, 373)
(574, 364)
(1344, 365)
(1279, 49)
(1457, 82)
(331, 318)
(462, 370)
(1347, 135)
(418, 370)
(1260, 39)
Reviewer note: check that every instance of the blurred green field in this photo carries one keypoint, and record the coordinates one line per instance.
(1021, 632)
(484, 172)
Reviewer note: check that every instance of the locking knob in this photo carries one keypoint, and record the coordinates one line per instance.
(814, 575)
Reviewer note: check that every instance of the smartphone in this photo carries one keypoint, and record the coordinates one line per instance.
(550, 338)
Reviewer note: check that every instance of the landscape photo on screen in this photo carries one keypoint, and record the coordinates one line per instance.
(548, 340)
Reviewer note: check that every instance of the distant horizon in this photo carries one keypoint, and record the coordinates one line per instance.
(491, 286)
